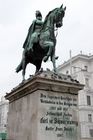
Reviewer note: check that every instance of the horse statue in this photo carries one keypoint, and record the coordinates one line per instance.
(45, 47)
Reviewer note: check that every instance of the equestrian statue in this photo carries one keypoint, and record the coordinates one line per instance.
(41, 40)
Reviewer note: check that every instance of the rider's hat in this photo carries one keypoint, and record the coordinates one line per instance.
(38, 13)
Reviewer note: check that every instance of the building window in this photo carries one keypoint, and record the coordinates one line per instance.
(0, 118)
(67, 72)
(86, 68)
(91, 132)
(88, 100)
(74, 69)
(86, 82)
(90, 117)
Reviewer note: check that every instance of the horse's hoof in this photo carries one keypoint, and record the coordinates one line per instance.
(56, 57)
(23, 80)
(45, 58)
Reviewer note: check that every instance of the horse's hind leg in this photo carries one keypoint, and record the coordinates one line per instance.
(23, 72)
(19, 67)
(38, 66)
(24, 68)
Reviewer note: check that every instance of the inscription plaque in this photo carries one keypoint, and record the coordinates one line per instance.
(58, 116)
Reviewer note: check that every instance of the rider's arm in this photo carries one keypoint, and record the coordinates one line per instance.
(39, 21)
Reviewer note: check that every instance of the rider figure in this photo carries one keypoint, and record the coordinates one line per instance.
(34, 32)
(32, 36)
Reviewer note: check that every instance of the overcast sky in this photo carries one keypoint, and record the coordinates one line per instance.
(16, 17)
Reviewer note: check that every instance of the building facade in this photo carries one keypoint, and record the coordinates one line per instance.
(3, 118)
(80, 68)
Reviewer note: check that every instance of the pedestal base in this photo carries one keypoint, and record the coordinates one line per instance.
(44, 107)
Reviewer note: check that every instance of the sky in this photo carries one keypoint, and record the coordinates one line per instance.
(16, 16)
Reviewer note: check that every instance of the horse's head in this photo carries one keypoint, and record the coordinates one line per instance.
(54, 17)
(59, 14)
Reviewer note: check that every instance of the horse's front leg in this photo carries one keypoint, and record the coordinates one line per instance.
(54, 64)
(53, 59)
(47, 45)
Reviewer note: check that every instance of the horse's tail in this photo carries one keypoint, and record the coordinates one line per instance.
(19, 67)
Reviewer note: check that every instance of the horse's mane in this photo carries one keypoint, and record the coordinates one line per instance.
(46, 18)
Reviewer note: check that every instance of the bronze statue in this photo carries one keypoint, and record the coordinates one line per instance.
(41, 41)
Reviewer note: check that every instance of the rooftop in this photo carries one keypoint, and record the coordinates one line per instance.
(79, 56)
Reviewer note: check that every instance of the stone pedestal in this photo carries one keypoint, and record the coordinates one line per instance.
(44, 107)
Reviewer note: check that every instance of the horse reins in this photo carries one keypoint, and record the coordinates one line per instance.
(49, 28)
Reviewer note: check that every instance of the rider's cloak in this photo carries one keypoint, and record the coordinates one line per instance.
(30, 32)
